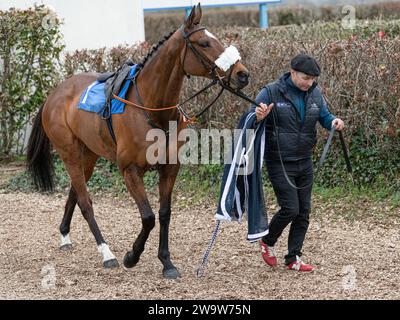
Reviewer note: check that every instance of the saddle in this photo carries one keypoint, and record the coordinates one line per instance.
(113, 84)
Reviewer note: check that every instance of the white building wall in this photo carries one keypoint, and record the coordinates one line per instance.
(93, 24)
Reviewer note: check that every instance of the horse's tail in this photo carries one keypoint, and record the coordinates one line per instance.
(39, 159)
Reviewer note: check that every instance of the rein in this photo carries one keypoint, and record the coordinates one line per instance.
(186, 117)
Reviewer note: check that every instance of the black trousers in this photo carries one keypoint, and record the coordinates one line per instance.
(295, 204)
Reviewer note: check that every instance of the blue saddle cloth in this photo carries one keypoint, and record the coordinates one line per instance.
(93, 99)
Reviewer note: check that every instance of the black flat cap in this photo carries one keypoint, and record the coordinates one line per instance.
(306, 64)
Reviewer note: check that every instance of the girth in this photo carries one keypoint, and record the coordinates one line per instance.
(113, 84)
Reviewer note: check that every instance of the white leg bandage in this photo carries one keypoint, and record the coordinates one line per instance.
(65, 240)
(105, 252)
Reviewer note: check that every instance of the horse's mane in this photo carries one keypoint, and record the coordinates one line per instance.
(155, 48)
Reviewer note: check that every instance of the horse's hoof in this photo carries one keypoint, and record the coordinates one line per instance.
(109, 264)
(171, 273)
(128, 261)
(66, 247)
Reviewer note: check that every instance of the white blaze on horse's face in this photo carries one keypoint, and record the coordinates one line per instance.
(228, 58)
(209, 34)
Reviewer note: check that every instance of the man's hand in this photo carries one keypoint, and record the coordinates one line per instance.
(263, 110)
(338, 124)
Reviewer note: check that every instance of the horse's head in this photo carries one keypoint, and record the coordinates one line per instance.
(204, 55)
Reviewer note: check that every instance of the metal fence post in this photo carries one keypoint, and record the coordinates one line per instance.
(263, 16)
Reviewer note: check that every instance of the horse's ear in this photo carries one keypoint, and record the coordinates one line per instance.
(190, 19)
(199, 14)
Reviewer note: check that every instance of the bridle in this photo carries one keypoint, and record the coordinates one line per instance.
(209, 65)
(204, 60)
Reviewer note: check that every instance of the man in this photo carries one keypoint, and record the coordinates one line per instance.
(297, 105)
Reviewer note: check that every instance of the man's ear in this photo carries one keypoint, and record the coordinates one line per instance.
(189, 21)
(198, 15)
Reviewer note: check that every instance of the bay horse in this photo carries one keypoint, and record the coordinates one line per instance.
(81, 137)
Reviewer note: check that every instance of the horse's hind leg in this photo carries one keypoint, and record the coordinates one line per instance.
(89, 162)
(168, 175)
(72, 157)
(134, 182)
(66, 243)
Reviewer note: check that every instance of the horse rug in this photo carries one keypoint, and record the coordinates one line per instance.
(242, 187)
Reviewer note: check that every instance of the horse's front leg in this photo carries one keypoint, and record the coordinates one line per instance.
(168, 175)
(134, 181)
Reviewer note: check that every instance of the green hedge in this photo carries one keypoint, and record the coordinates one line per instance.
(29, 53)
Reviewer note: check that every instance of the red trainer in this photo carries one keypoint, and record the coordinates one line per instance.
(268, 254)
(299, 265)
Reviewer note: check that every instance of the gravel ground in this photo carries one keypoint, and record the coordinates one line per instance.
(355, 258)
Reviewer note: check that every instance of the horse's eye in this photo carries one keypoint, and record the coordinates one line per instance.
(203, 43)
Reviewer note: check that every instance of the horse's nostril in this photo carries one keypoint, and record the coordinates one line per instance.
(243, 76)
